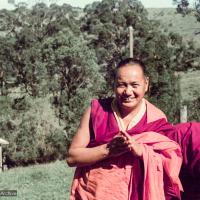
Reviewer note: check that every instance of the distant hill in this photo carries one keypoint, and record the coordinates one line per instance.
(187, 26)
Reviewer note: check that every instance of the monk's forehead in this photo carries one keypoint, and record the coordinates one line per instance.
(130, 70)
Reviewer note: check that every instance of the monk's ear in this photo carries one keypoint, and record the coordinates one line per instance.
(146, 83)
(114, 85)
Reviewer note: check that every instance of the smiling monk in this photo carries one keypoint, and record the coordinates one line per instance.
(120, 150)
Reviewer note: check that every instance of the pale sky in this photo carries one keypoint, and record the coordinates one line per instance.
(82, 3)
(146, 3)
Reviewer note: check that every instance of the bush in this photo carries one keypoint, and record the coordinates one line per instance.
(34, 135)
(193, 110)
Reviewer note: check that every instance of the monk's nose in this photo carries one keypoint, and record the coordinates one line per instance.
(128, 90)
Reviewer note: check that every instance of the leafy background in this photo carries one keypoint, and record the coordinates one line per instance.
(54, 60)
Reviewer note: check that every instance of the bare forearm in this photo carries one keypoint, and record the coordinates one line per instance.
(86, 156)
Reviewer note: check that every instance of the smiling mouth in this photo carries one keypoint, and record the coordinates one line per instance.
(128, 99)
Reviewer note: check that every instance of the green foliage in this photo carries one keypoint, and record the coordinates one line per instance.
(33, 133)
(26, 32)
(182, 6)
(108, 21)
(72, 66)
(193, 110)
(150, 45)
(52, 63)
(44, 56)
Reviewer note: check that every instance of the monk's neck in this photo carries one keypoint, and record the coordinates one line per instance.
(129, 112)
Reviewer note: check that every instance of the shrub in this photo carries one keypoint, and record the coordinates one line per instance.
(34, 135)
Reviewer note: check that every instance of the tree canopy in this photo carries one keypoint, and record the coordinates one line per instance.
(55, 59)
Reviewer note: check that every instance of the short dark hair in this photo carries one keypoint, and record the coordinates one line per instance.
(133, 61)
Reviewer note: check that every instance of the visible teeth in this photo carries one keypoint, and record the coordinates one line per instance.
(128, 99)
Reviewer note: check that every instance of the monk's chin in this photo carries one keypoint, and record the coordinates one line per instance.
(129, 105)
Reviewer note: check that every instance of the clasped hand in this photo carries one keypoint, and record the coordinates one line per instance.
(123, 143)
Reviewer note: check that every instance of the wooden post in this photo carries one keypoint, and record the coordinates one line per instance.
(1, 159)
(1, 156)
(131, 40)
(183, 108)
(183, 113)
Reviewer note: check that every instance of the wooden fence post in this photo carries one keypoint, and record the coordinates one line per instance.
(1, 156)
(1, 160)
(183, 113)
(131, 40)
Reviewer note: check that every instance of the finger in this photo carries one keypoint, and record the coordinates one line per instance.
(120, 150)
(120, 145)
(115, 144)
(124, 133)
(119, 140)
(117, 135)
(124, 137)
(131, 139)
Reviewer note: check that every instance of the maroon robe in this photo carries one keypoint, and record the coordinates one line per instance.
(102, 132)
(188, 137)
(185, 134)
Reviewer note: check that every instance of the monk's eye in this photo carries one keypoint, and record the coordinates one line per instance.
(121, 85)
(135, 85)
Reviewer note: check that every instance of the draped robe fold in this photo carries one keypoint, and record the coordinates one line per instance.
(188, 136)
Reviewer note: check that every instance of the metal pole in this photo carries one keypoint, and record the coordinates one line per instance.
(131, 40)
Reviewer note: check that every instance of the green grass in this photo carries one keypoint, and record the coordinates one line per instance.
(39, 182)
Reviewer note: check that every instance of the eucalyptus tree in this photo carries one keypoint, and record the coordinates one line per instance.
(45, 53)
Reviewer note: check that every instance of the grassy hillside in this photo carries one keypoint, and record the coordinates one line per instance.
(39, 182)
(188, 27)
(190, 85)
(170, 20)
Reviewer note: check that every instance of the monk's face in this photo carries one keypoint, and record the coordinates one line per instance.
(130, 86)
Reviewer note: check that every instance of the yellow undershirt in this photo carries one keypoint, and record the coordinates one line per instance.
(134, 121)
